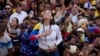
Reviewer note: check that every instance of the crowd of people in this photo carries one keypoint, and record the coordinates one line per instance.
(49, 27)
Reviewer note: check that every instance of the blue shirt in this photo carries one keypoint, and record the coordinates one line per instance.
(28, 48)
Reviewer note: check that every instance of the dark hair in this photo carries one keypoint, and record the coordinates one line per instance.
(3, 27)
(5, 16)
(48, 4)
(98, 17)
(18, 5)
(35, 18)
(23, 26)
(52, 21)
(79, 45)
(67, 2)
(65, 45)
(81, 15)
(16, 20)
(26, 18)
(94, 51)
(66, 16)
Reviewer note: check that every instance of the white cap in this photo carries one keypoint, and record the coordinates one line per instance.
(81, 21)
(92, 7)
(73, 48)
(80, 29)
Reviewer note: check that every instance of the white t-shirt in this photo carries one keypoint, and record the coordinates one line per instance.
(20, 16)
(53, 39)
(74, 18)
(5, 44)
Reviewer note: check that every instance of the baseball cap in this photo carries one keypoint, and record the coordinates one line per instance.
(80, 29)
(92, 7)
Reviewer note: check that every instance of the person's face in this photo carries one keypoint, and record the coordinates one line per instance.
(61, 2)
(76, 1)
(73, 40)
(18, 8)
(66, 52)
(33, 5)
(98, 22)
(74, 10)
(79, 33)
(53, 2)
(5, 21)
(13, 22)
(91, 23)
(41, 7)
(26, 22)
(98, 5)
(92, 11)
(8, 8)
(80, 17)
(98, 39)
(47, 7)
(61, 27)
(90, 47)
(24, 5)
(33, 22)
(47, 15)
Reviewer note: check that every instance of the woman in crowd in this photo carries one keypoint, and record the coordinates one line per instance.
(49, 36)
(13, 31)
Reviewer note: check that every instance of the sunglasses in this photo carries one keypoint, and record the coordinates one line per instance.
(7, 8)
(92, 9)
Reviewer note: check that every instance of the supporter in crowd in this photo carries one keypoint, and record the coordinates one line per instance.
(5, 19)
(5, 42)
(49, 34)
(8, 10)
(19, 14)
(28, 47)
(24, 6)
(14, 31)
(33, 10)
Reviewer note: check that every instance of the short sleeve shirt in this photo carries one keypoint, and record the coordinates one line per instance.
(5, 44)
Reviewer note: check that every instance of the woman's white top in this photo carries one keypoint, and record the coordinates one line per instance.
(54, 38)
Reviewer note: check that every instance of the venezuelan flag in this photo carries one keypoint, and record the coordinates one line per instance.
(35, 32)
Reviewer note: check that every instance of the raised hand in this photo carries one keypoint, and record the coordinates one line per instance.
(46, 33)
